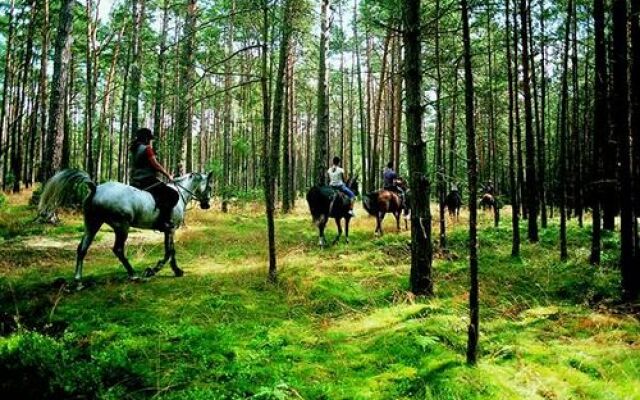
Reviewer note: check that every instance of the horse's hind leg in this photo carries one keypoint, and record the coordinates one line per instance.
(122, 233)
(174, 264)
(397, 216)
(339, 225)
(91, 228)
(169, 252)
(346, 229)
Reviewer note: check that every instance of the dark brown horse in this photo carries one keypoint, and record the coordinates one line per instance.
(381, 202)
(453, 202)
(488, 201)
(326, 202)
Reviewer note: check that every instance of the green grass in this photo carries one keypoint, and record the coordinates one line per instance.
(340, 323)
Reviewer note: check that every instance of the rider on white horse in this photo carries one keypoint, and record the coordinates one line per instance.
(144, 175)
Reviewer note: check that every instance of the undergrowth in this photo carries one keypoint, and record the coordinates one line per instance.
(339, 324)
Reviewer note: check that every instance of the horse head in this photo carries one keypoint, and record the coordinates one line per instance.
(352, 184)
(202, 188)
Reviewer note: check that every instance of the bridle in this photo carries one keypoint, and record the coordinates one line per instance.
(200, 198)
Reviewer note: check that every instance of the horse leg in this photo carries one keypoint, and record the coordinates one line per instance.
(91, 228)
(381, 216)
(397, 216)
(346, 228)
(177, 272)
(122, 233)
(321, 226)
(339, 226)
(168, 253)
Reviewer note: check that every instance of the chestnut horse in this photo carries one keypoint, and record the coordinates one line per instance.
(381, 202)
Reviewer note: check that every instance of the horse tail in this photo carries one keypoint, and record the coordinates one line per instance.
(369, 203)
(318, 205)
(60, 187)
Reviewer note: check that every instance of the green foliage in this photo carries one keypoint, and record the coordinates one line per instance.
(338, 325)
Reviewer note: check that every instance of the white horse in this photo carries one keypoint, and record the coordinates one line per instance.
(121, 207)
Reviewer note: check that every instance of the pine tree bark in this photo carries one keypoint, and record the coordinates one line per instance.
(620, 122)
(515, 207)
(600, 126)
(54, 158)
(185, 102)
(564, 126)
(421, 251)
(138, 10)
(322, 106)
(472, 173)
(532, 188)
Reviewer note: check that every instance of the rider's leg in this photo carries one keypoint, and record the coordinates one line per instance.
(166, 199)
(352, 198)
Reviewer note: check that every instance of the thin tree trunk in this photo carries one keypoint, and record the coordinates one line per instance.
(532, 188)
(564, 135)
(515, 207)
(322, 109)
(472, 172)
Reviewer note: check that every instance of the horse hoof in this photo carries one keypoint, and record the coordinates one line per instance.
(178, 273)
(149, 272)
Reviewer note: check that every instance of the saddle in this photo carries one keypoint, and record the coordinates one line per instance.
(339, 195)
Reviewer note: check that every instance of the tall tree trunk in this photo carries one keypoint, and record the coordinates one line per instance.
(575, 124)
(53, 159)
(515, 207)
(16, 129)
(630, 284)
(564, 135)
(532, 188)
(185, 102)
(160, 77)
(421, 251)
(43, 85)
(472, 172)
(542, 115)
(322, 109)
(600, 125)
(440, 172)
(138, 10)
(6, 84)
(363, 128)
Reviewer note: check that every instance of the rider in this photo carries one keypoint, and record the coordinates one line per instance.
(390, 178)
(488, 188)
(336, 180)
(145, 169)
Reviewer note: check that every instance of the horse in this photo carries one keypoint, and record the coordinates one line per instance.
(381, 202)
(121, 207)
(488, 200)
(453, 202)
(326, 202)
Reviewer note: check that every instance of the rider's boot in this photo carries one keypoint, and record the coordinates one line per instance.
(163, 223)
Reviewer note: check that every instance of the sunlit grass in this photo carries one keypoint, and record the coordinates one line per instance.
(339, 324)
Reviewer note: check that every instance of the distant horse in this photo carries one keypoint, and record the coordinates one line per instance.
(453, 202)
(381, 202)
(121, 207)
(488, 201)
(326, 202)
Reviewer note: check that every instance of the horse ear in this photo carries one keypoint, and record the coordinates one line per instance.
(209, 176)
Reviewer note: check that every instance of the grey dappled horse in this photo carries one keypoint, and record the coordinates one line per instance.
(121, 207)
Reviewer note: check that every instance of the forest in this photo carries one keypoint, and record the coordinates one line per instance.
(502, 137)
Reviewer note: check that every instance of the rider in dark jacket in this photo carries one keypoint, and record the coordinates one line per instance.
(145, 169)
(390, 178)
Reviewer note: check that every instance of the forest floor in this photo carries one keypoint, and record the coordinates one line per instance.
(339, 324)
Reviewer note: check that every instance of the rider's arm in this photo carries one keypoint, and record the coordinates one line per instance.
(155, 164)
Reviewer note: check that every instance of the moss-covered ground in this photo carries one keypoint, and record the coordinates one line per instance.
(339, 324)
